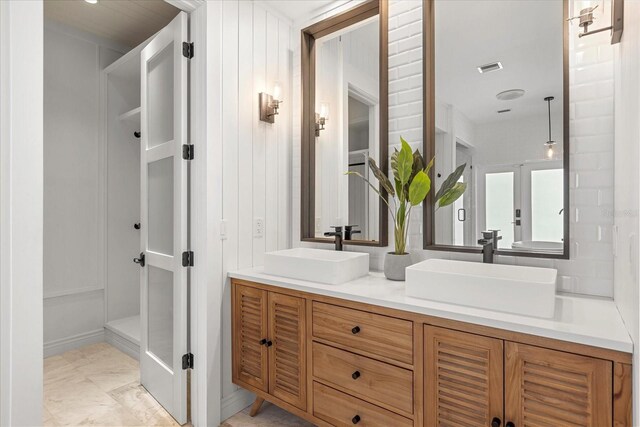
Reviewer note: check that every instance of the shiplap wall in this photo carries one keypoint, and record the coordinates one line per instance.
(590, 269)
(256, 155)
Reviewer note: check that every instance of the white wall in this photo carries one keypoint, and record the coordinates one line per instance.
(256, 156)
(627, 181)
(21, 162)
(590, 269)
(73, 202)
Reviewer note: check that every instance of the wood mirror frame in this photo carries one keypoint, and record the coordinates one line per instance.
(428, 220)
(308, 139)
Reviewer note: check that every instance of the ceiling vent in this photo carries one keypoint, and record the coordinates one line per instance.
(510, 94)
(487, 68)
(504, 111)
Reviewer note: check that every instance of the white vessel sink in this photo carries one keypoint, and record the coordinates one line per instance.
(317, 265)
(514, 289)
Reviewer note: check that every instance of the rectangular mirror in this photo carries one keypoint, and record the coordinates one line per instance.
(344, 121)
(497, 101)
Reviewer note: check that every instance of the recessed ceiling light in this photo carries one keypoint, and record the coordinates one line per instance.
(510, 94)
(487, 68)
(91, 1)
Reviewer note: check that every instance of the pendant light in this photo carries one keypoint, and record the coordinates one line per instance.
(549, 152)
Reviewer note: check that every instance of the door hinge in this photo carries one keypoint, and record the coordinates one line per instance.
(187, 50)
(187, 361)
(187, 259)
(187, 151)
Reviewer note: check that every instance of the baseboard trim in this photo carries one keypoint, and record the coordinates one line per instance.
(235, 402)
(61, 345)
(123, 344)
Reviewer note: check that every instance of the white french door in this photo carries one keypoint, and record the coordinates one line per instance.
(163, 279)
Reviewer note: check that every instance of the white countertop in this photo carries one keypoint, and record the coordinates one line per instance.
(584, 320)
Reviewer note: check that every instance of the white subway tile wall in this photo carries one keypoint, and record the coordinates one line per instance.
(590, 269)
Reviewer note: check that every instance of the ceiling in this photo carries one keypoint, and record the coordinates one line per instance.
(128, 22)
(525, 36)
(297, 10)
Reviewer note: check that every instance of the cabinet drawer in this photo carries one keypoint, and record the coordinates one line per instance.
(340, 409)
(374, 333)
(370, 379)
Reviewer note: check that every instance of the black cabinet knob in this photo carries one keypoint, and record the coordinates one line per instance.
(136, 226)
(268, 343)
(509, 424)
(355, 375)
(355, 330)
(495, 422)
(263, 341)
(356, 419)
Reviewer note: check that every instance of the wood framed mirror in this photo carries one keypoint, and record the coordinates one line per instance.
(496, 84)
(344, 121)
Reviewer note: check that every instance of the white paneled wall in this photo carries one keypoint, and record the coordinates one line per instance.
(73, 212)
(256, 155)
(590, 269)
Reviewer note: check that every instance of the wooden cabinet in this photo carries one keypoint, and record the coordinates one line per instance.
(287, 355)
(336, 362)
(469, 377)
(544, 386)
(269, 348)
(250, 364)
(463, 377)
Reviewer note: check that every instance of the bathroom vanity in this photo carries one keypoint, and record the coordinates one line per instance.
(365, 353)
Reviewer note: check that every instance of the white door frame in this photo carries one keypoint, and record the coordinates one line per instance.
(21, 189)
(206, 210)
(21, 212)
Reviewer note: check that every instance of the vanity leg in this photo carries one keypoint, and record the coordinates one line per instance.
(256, 406)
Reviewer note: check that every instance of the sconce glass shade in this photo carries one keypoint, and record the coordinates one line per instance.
(324, 110)
(277, 92)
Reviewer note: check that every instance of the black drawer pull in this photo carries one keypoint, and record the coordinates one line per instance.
(263, 341)
(355, 375)
(509, 424)
(495, 422)
(355, 330)
(268, 343)
(355, 419)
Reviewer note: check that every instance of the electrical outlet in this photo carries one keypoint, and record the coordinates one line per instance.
(258, 227)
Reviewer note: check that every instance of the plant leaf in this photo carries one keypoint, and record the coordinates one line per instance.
(380, 176)
(418, 164)
(404, 163)
(419, 188)
(453, 194)
(451, 181)
(429, 166)
(394, 162)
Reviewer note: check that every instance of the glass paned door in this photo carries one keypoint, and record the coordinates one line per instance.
(163, 286)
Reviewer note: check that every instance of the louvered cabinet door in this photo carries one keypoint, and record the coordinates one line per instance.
(463, 377)
(551, 388)
(250, 311)
(287, 361)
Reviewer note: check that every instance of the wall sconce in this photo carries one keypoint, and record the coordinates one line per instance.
(322, 118)
(269, 104)
(586, 18)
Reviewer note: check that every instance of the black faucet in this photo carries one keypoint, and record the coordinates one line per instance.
(337, 233)
(349, 231)
(489, 244)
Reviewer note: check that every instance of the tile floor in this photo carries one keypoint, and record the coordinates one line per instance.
(99, 385)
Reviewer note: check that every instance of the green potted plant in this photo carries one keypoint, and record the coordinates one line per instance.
(411, 184)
